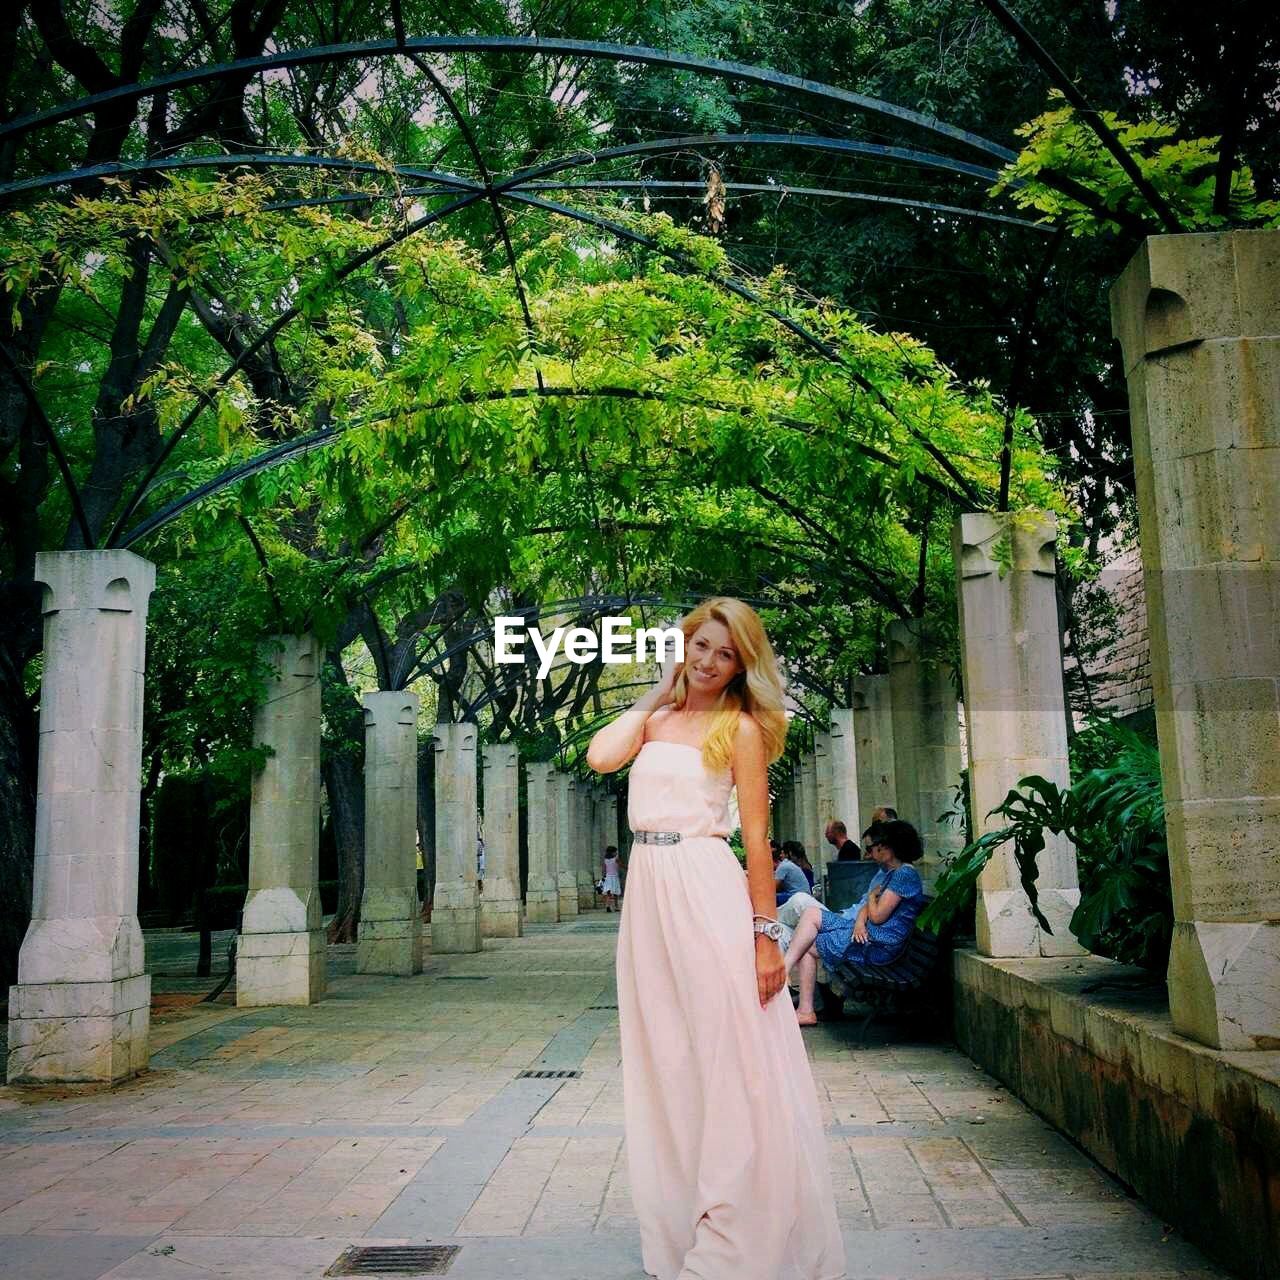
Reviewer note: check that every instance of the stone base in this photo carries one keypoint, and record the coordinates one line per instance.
(75, 1032)
(1006, 927)
(542, 906)
(280, 968)
(1058, 906)
(586, 897)
(455, 930)
(568, 901)
(1224, 984)
(1195, 1131)
(500, 915)
(390, 946)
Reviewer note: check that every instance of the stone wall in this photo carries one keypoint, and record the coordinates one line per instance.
(1120, 675)
(1194, 1131)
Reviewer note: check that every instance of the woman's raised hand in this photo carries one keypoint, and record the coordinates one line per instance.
(666, 682)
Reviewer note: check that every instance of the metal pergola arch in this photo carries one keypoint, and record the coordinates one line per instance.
(587, 606)
(413, 48)
(516, 187)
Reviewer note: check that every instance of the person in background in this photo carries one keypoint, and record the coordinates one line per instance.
(611, 884)
(802, 861)
(837, 836)
(787, 876)
(879, 931)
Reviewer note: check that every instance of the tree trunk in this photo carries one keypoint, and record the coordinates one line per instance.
(342, 768)
(344, 782)
(427, 820)
(18, 759)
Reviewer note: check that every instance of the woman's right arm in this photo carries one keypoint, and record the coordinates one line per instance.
(619, 740)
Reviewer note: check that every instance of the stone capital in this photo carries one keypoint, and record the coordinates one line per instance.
(1182, 289)
(1032, 537)
(113, 581)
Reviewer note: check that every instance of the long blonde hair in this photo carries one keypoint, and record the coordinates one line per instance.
(756, 689)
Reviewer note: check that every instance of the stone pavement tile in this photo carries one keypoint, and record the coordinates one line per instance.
(80, 1257)
(575, 1189)
(264, 1142)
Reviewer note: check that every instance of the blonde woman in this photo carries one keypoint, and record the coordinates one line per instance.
(726, 1151)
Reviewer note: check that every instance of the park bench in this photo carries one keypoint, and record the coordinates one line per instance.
(906, 985)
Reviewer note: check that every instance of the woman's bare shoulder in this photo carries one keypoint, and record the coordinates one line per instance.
(655, 721)
(749, 733)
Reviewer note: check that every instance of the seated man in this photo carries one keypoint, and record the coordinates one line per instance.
(787, 876)
(881, 926)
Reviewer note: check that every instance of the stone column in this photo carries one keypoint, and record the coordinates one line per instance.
(873, 744)
(455, 913)
(845, 802)
(926, 746)
(826, 804)
(1015, 717)
(584, 843)
(543, 897)
(1198, 318)
(783, 820)
(500, 903)
(280, 956)
(566, 868)
(390, 938)
(81, 1007)
(797, 802)
(810, 823)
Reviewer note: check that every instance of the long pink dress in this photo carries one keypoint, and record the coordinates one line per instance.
(725, 1145)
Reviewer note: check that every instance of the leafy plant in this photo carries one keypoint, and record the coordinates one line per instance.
(1183, 170)
(1114, 815)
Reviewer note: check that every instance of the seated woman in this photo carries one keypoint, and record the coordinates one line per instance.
(877, 931)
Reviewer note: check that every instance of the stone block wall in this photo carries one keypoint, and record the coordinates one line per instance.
(1194, 1131)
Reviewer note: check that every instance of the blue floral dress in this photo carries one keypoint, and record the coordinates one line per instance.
(834, 943)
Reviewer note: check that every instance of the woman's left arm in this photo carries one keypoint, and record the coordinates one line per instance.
(882, 905)
(750, 774)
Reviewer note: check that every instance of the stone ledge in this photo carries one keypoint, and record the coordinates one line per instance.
(1195, 1131)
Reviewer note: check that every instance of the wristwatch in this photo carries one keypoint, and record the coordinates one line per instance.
(770, 929)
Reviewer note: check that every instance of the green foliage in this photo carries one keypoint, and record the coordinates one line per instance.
(1183, 170)
(1114, 815)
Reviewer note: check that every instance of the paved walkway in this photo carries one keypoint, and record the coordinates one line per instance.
(263, 1143)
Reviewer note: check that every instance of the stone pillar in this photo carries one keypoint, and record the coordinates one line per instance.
(926, 746)
(1198, 318)
(584, 843)
(873, 745)
(566, 867)
(280, 956)
(81, 1007)
(845, 803)
(1015, 718)
(810, 823)
(390, 938)
(543, 897)
(797, 802)
(822, 852)
(782, 820)
(500, 902)
(455, 912)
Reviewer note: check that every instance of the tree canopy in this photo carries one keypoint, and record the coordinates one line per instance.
(387, 338)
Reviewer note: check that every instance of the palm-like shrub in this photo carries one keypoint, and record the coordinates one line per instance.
(1114, 815)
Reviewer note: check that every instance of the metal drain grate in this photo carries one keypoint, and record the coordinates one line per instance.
(602, 1006)
(395, 1260)
(466, 977)
(549, 1075)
